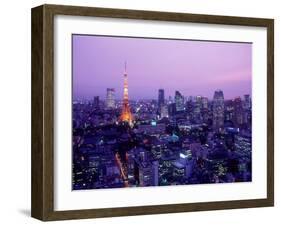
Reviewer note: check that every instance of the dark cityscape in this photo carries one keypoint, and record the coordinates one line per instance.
(166, 140)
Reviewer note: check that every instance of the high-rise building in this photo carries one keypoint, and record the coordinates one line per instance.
(198, 103)
(164, 113)
(96, 102)
(170, 100)
(205, 110)
(247, 102)
(110, 98)
(126, 115)
(155, 173)
(179, 100)
(238, 111)
(229, 110)
(145, 174)
(247, 109)
(218, 110)
(197, 109)
(172, 109)
(148, 173)
(189, 104)
(205, 102)
(161, 99)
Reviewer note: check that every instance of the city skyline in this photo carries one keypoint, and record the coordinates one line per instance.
(92, 75)
(155, 98)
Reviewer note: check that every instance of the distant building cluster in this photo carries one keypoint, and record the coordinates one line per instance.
(163, 141)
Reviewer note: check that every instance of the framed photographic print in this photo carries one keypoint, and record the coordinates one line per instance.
(141, 112)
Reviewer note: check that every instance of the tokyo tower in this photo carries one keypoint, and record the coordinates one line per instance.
(126, 115)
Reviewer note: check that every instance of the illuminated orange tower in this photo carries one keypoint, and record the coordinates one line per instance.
(126, 115)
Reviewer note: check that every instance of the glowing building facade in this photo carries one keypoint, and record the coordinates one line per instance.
(110, 98)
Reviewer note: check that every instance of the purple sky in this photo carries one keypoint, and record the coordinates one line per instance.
(191, 67)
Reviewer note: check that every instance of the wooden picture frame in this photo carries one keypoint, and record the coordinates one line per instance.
(42, 203)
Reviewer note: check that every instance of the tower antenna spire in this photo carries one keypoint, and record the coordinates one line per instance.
(126, 114)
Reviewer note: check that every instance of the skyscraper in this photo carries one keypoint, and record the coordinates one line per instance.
(238, 111)
(170, 100)
(218, 110)
(204, 102)
(161, 99)
(164, 111)
(155, 173)
(189, 105)
(197, 109)
(179, 100)
(110, 98)
(247, 111)
(96, 102)
(126, 115)
(247, 102)
(172, 109)
(229, 110)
